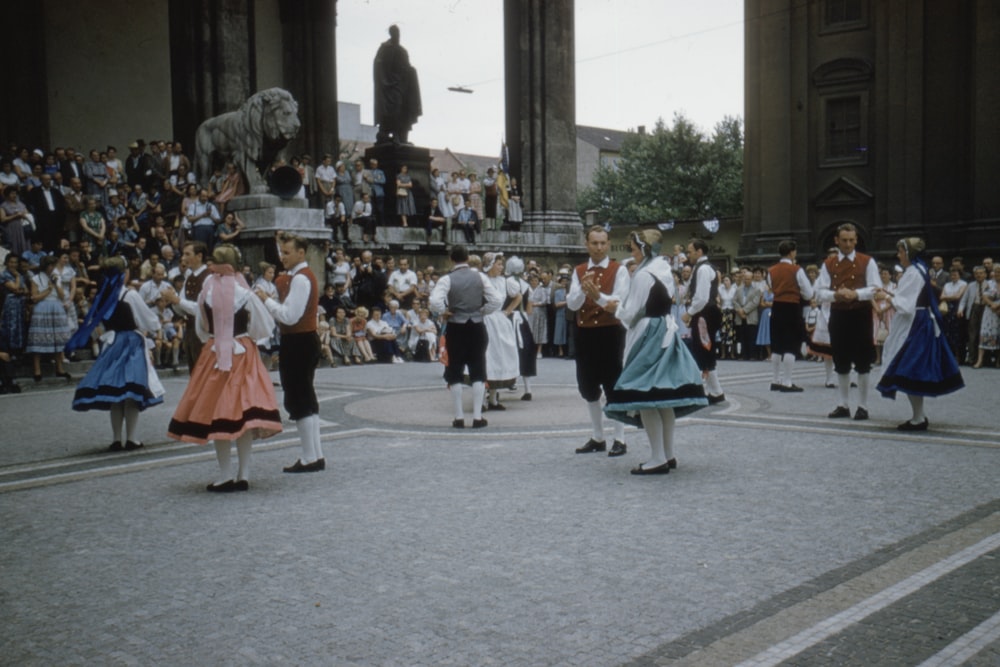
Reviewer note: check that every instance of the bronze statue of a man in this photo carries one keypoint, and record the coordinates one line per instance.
(397, 91)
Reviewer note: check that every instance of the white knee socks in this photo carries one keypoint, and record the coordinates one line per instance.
(478, 391)
(224, 455)
(131, 420)
(306, 438)
(776, 368)
(654, 431)
(596, 420)
(668, 419)
(828, 365)
(863, 384)
(844, 389)
(117, 412)
(243, 444)
(712, 384)
(787, 362)
(456, 397)
(527, 385)
(317, 443)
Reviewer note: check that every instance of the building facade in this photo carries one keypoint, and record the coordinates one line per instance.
(881, 113)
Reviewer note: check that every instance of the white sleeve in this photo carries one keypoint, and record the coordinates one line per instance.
(575, 296)
(145, 319)
(700, 298)
(438, 300)
(823, 292)
(804, 286)
(904, 300)
(621, 289)
(633, 307)
(291, 310)
(872, 281)
(494, 299)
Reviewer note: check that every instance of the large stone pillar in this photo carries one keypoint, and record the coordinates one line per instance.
(309, 71)
(541, 90)
(212, 61)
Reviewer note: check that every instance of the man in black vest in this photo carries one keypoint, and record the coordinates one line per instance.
(704, 316)
(464, 296)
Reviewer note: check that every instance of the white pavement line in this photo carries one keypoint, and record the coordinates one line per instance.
(834, 624)
(846, 429)
(148, 463)
(966, 646)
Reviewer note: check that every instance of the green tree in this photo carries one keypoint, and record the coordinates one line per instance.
(671, 173)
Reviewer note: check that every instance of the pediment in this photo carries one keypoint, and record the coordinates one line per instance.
(843, 191)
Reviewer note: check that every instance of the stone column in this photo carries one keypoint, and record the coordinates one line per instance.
(541, 90)
(309, 71)
(212, 61)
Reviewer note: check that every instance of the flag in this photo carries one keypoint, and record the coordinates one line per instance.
(712, 226)
(665, 226)
(504, 158)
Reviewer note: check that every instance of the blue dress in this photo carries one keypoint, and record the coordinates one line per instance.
(559, 328)
(654, 375)
(13, 324)
(921, 362)
(122, 371)
(764, 327)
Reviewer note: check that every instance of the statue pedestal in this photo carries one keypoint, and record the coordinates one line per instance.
(555, 228)
(264, 215)
(418, 161)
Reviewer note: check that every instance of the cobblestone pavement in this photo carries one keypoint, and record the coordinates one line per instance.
(784, 538)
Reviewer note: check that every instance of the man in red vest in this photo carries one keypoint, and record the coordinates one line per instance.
(600, 338)
(299, 350)
(849, 281)
(790, 287)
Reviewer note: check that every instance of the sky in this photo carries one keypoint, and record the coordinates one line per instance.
(637, 61)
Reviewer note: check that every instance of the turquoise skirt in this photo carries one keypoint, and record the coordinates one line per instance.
(656, 377)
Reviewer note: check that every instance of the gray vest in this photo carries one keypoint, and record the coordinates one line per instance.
(465, 296)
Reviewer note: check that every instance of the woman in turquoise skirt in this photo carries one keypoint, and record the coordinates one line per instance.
(660, 379)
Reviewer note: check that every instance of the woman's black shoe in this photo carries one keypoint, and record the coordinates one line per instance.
(225, 487)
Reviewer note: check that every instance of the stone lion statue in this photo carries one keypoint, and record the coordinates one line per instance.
(251, 137)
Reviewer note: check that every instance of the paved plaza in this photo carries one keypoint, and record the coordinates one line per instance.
(783, 538)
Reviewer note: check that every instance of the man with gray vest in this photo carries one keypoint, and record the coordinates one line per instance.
(464, 296)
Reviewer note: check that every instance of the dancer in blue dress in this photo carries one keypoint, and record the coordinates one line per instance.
(920, 361)
(123, 379)
(660, 379)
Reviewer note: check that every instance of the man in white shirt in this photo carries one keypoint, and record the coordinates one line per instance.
(157, 285)
(362, 215)
(600, 338)
(201, 220)
(704, 316)
(403, 284)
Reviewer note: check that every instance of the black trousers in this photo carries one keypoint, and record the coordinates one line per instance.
(300, 354)
(852, 340)
(786, 328)
(599, 352)
(705, 355)
(466, 344)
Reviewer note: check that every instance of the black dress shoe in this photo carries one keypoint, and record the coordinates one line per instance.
(910, 426)
(718, 398)
(498, 406)
(592, 446)
(662, 469)
(241, 485)
(791, 389)
(225, 487)
(672, 464)
(860, 415)
(830, 385)
(479, 423)
(775, 386)
(526, 397)
(840, 413)
(299, 466)
(129, 445)
(458, 423)
(115, 446)
(618, 448)
(320, 465)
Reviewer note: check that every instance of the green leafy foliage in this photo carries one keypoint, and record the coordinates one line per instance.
(672, 173)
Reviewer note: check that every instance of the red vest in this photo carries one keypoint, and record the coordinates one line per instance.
(845, 273)
(783, 283)
(590, 314)
(307, 323)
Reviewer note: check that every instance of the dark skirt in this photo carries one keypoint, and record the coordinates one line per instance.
(119, 374)
(924, 365)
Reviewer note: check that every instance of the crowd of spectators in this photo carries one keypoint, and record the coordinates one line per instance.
(969, 304)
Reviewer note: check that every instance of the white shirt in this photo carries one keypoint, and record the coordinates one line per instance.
(290, 311)
(706, 274)
(872, 281)
(190, 307)
(438, 300)
(150, 291)
(576, 297)
(401, 281)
